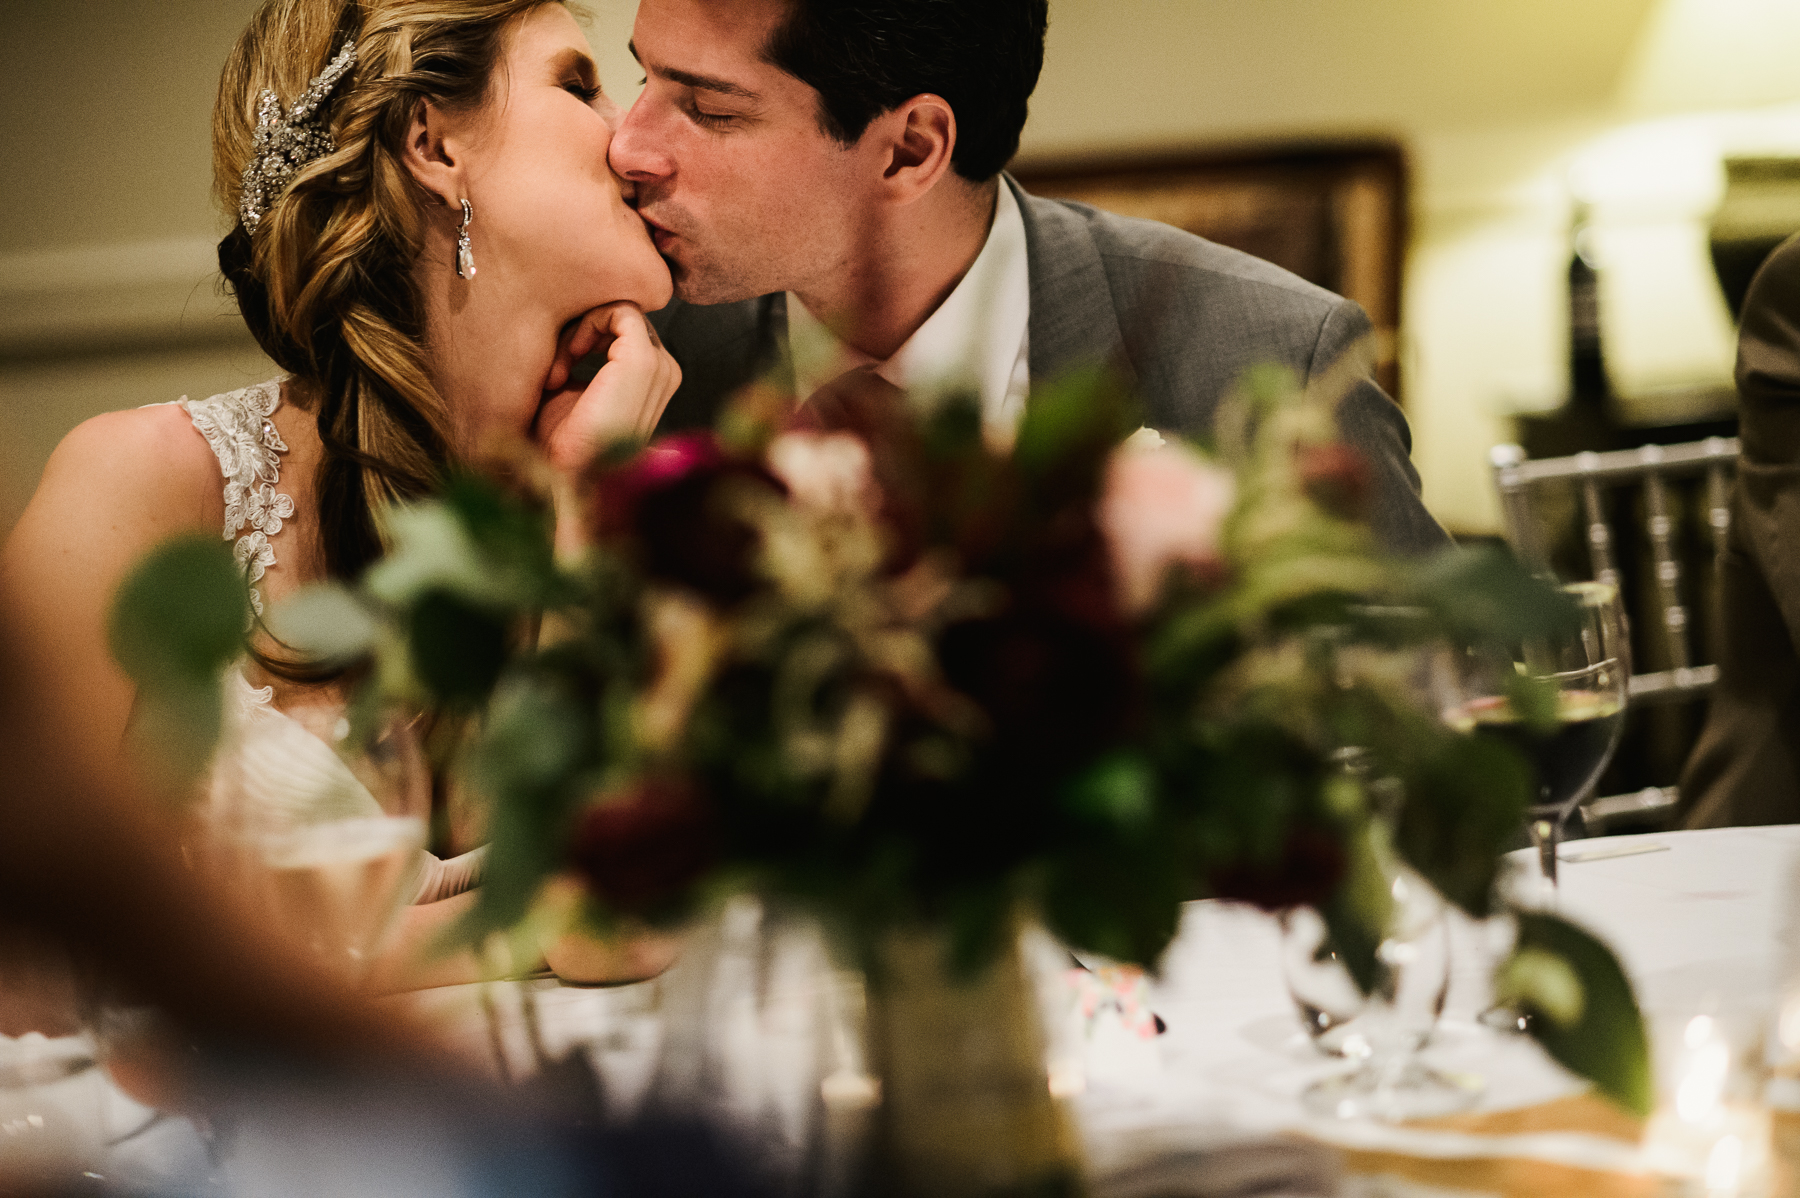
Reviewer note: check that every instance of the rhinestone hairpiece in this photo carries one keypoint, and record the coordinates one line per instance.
(285, 144)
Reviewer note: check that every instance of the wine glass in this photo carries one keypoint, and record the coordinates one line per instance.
(1587, 669)
(1392, 1023)
(1331, 1007)
(328, 843)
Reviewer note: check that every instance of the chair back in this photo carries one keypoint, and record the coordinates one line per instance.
(1519, 479)
(1522, 481)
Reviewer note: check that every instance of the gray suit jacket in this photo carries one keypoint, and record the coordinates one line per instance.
(1183, 318)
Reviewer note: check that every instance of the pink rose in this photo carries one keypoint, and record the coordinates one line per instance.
(1161, 508)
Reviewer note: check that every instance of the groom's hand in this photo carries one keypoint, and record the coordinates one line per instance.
(622, 402)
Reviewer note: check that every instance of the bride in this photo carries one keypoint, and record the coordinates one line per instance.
(426, 235)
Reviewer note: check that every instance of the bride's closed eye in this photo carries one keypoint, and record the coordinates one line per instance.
(587, 94)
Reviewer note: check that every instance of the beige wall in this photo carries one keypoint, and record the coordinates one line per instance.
(106, 297)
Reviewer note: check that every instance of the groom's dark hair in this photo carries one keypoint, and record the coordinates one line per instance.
(867, 57)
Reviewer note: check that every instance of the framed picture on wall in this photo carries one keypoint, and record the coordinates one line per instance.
(1334, 214)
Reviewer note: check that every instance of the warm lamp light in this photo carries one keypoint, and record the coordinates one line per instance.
(1706, 55)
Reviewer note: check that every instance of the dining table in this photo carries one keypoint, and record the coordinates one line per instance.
(1704, 923)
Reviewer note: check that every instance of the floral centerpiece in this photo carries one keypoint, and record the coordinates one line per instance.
(868, 662)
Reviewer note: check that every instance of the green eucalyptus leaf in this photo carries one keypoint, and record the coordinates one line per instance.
(1533, 700)
(177, 620)
(953, 428)
(1543, 982)
(1356, 943)
(432, 551)
(1117, 792)
(457, 649)
(515, 541)
(1268, 387)
(326, 623)
(1465, 801)
(1483, 595)
(177, 723)
(1076, 419)
(1122, 904)
(182, 611)
(1592, 1027)
(529, 763)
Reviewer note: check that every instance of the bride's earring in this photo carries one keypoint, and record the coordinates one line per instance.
(465, 257)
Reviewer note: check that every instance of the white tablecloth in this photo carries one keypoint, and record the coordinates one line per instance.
(1698, 921)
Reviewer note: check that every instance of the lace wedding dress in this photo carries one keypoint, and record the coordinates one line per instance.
(276, 765)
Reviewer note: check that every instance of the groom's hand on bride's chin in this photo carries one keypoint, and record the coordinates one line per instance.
(625, 398)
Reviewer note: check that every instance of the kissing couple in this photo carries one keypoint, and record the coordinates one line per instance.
(447, 236)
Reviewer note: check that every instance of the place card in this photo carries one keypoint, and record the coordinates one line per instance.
(1601, 850)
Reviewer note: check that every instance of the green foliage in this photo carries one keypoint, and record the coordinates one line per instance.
(1481, 596)
(458, 650)
(1355, 942)
(326, 623)
(533, 762)
(177, 621)
(932, 708)
(1071, 425)
(1466, 799)
(1116, 794)
(1596, 1032)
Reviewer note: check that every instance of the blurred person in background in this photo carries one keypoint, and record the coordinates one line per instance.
(425, 232)
(831, 174)
(303, 1084)
(1745, 768)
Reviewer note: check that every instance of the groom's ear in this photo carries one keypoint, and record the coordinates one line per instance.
(432, 153)
(917, 140)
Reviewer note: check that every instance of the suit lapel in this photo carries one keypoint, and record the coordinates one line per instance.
(722, 349)
(1073, 322)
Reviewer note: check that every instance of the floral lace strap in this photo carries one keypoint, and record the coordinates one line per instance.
(243, 438)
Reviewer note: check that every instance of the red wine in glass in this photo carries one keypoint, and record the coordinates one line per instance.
(1566, 757)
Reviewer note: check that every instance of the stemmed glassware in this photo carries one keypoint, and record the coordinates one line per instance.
(328, 844)
(1385, 1030)
(1587, 669)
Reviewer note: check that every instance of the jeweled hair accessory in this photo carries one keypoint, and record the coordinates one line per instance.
(284, 144)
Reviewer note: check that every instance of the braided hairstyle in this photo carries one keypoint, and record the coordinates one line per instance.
(325, 279)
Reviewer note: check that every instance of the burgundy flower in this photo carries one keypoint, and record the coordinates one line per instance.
(1306, 873)
(1336, 477)
(673, 504)
(643, 847)
(1057, 688)
(620, 488)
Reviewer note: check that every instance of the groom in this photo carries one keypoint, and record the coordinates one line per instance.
(824, 180)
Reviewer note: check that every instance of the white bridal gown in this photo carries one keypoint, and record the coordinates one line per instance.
(276, 765)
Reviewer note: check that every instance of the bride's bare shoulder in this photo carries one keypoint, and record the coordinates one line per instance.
(124, 480)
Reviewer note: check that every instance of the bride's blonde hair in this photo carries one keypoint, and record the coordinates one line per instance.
(325, 278)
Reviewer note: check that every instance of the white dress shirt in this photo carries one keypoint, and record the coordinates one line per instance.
(976, 341)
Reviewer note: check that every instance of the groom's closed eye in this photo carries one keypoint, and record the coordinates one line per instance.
(695, 81)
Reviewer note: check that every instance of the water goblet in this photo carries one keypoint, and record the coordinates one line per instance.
(1391, 1083)
(328, 845)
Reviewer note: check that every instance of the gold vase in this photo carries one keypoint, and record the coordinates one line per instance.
(966, 1109)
